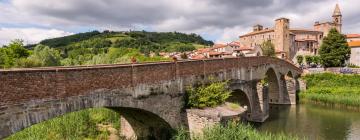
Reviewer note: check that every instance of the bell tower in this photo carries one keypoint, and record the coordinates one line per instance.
(337, 18)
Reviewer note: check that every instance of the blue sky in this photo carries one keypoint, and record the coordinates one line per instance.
(216, 20)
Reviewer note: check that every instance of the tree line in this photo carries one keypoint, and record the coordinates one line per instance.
(98, 48)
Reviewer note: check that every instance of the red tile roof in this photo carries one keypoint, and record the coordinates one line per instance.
(235, 43)
(203, 50)
(294, 30)
(244, 48)
(197, 57)
(219, 46)
(257, 32)
(353, 36)
(354, 44)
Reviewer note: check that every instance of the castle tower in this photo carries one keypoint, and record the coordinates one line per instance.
(282, 37)
(337, 18)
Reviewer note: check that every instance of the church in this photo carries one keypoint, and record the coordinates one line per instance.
(290, 42)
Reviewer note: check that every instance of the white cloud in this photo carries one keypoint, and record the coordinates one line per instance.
(224, 19)
(29, 35)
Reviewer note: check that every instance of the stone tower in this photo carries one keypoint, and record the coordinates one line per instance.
(282, 37)
(337, 18)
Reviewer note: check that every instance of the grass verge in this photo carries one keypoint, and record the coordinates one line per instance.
(232, 131)
(73, 126)
(332, 89)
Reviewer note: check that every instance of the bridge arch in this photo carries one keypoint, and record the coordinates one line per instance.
(273, 84)
(289, 94)
(238, 96)
(146, 118)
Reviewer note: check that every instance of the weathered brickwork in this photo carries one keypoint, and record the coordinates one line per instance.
(29, 96)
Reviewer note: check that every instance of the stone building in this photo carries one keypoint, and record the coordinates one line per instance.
(290, 42)
(355, 52)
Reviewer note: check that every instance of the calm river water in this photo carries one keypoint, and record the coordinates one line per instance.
(313, 122)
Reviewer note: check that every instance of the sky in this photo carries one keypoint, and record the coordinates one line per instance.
(217, 20)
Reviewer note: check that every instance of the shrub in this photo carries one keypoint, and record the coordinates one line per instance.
(309, 59)
(208, 95)
(300, 59)
(316, 60)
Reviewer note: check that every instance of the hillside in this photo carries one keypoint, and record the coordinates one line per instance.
(95, 47)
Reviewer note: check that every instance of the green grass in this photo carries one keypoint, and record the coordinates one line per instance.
(73, 126)
(233, 106)
(233, 131)
(332, 89)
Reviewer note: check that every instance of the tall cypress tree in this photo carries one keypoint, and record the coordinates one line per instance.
(334, 50)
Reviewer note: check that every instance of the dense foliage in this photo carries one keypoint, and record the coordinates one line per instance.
(75, 126)
(67, 40)
(208, 95)
(300, 59)
(334, 50)
(332, 89)
(232, 131)
(98, 48)
(268, 48)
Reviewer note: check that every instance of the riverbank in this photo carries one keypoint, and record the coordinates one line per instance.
(336, 90)
(233, 131)
(79, 125)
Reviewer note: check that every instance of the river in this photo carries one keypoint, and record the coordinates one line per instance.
(313, 122)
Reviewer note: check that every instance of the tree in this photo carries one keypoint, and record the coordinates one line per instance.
(46, 56)
(334, 50)
(300, 59)
(309, 59)
(316, 60)
(13, 51)
(208, 95)
(268, 48)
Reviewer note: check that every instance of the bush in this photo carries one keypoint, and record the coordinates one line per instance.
(309, 59)
(208, 95)
(316, 60)
(300, 59)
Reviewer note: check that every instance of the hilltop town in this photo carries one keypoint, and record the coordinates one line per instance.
(289, 42)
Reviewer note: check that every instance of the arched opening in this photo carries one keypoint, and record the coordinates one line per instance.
(290, 96)
(272, 83)
(240, 98)
(144, 124)
(79, 123)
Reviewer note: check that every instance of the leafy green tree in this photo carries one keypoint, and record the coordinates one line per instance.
(309, 59)
(16, 49)
(268, 48)
(13, 51)
(316, 60)
(46, 56)
(208, 95)
(334, 50)
(300, 59)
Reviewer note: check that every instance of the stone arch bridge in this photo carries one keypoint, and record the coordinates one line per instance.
(149, 96)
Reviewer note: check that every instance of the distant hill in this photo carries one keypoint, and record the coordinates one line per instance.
(92, 48)
(145, 41)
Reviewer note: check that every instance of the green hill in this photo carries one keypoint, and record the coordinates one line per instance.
(96, 47)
